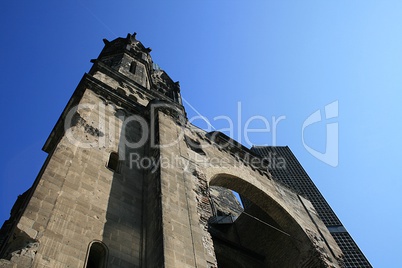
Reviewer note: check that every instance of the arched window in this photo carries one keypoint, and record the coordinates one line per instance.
(97, 255)
(113, 162)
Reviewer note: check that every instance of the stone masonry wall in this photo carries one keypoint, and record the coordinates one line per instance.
(187, 243)
(78, 199)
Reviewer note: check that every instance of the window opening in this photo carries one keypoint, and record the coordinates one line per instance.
(113, 162)
(133, 67)
(97, 256)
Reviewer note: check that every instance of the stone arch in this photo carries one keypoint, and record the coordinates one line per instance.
(269, 232)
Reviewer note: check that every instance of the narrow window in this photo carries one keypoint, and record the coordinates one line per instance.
(133, 67)
(113, 162)
(97, 255)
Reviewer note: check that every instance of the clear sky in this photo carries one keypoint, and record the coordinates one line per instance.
(271, 59)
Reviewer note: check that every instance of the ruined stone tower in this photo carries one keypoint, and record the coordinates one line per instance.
(129, 182)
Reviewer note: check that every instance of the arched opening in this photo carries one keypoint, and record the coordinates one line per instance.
(262, 235)
(97, 255)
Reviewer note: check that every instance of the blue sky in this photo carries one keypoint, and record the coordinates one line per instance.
(273, 58)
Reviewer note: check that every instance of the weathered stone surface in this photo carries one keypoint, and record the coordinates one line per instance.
(21, 252)
(275, 205)
(167, 200)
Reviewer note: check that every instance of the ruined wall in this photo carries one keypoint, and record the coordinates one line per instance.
(79, 199)
(157, 213)
(185, 210)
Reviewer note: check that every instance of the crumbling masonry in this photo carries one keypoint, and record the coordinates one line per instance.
(129, 182)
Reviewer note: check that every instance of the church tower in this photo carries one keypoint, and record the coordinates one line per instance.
(129, 182)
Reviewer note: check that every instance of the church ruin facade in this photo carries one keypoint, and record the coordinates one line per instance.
(129, 182)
